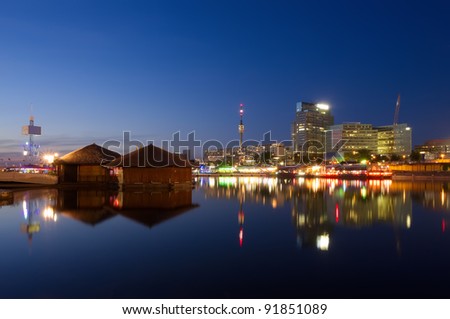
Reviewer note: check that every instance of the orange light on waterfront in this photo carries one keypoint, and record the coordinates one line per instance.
(50, 158)
(274, 203)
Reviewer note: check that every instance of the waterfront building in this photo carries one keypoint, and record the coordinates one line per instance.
(394, 140)
(85, 165)
(151, 166)
(434, 149)
(308, 129)
(247, 155)
(352, 139)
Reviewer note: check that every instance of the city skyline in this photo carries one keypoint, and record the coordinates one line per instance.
(94, 70)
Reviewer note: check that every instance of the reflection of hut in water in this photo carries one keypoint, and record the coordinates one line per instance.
(88, 206)
(85, 165)
(93, 206)
(6, 198)
(151, 208)
(152, 166)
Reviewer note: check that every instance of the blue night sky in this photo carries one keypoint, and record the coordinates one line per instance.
(93, 69)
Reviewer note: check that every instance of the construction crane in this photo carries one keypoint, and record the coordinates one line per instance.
(397, 110)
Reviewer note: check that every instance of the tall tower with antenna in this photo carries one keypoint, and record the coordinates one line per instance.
(30, 149)
(241, 126)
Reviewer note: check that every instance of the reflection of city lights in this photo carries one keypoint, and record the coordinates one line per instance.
(212, 182)
(301, 220)
(241, 237)
(337, 213)
(323, 242)
(363, 192)
(274, 203)
(49, 214)
(25, 210)
(315, 185)
(442, 197)
(227, 181)
(408, 221)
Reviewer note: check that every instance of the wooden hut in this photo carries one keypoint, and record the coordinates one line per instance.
(152, 166)
(85, 165)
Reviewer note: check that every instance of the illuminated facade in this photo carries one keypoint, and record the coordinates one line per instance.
(394, 140)
(435, 149)
(357, 136)
(308, 129)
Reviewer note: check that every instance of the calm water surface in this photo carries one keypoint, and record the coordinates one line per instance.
(229, 238)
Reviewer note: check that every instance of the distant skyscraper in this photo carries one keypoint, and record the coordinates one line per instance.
(308, 129)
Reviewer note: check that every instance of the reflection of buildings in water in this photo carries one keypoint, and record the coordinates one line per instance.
(309, 213)
(366, 206)
(90, 206)
(241, 218)
(36, 205)
(151, 208)
(30, 213)
(354, 203)
(261, 190)
(319, 204)
(145, 207)
(433, 195)
(6, 198)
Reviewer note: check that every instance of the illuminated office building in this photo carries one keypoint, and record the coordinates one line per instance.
(308, 129)
(394, 140)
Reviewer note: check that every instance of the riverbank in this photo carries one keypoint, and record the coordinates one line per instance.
(27, 178)
(422, 176)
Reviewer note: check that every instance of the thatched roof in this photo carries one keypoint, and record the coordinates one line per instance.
(150, 156)
(89, 155)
